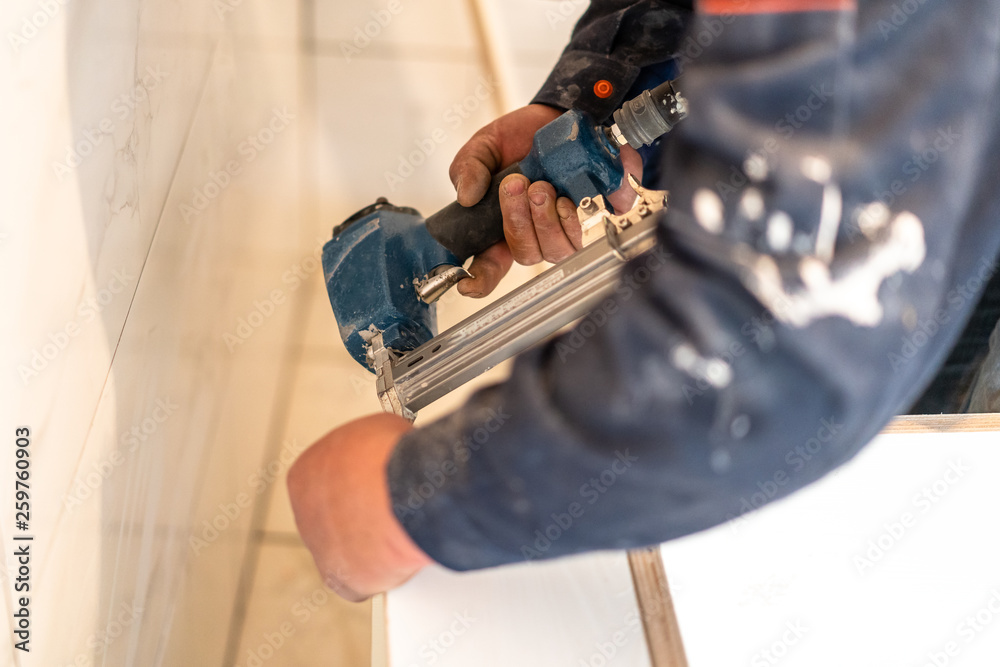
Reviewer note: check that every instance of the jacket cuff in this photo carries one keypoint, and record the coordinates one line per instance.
(572, 84)
(430, 487)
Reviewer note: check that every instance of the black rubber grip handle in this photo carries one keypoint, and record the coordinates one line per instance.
(469, 230)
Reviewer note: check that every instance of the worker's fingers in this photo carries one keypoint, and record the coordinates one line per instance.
(496, 146)
(472, 169)
(553, 242)
(487, 269)
(518, 225)
(566, 210)
(624, 197)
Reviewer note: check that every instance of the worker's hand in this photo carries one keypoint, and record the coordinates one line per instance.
(342, 508)
(537, 225)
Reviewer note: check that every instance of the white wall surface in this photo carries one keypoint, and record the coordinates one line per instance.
(165, 333)
(117, 301)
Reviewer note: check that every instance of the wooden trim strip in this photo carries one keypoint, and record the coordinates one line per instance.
(380, 632)
(944, 423)
(774, 6)
(491, 55)
(656, 607)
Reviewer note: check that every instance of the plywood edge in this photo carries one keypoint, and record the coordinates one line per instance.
(944, 423)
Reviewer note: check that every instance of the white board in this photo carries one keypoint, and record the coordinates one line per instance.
(552, 613)
(796, 583)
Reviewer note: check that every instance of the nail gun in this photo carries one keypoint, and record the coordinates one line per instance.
(385, 266)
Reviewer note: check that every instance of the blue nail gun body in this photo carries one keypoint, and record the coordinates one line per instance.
(370, 266)
(385, 264)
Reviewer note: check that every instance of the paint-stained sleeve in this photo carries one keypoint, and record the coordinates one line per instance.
(612, 42)
(833, 207)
